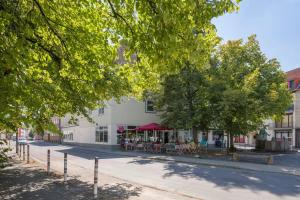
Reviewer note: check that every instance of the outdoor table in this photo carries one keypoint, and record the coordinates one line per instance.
(139, 146)
(129, 145)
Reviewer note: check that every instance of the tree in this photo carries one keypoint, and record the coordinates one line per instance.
(249, 88)
(184, 100)
(62, 57)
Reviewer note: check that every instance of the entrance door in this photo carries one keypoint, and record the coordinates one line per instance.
(297, 138)
(166, 137)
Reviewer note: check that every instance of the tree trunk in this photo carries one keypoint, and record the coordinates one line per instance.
(17, 141)
(195, 135)
(231, 142)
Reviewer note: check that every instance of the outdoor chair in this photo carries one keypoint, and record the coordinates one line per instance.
(203, 146)
(149, 147)
(170, 148)
(139, 147)
(193, 148)
(179, 149)
(186, 149)
(156, 148)
(129, 146)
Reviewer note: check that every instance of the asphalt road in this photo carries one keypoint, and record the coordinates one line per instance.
(175, 180)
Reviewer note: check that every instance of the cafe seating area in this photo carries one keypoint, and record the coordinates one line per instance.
(153, 138)
(169, 148)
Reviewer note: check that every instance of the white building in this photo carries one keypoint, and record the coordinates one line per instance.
(108, 121)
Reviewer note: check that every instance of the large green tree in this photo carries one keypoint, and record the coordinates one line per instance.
(248, 87)
(184, 100)
(63, 56)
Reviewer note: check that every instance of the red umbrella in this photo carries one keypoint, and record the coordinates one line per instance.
(121, 129)
(150, 127)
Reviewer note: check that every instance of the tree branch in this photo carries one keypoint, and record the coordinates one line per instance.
(49, 25)
(117, 15)
(153, 6)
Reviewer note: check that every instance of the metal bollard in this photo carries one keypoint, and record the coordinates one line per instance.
(23, 152)
(65, 167)
(20, 149)
(28, 153)
(96, 178)
(48, 162)
(17, 150)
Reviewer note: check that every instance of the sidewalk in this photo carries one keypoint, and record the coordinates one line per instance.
(30, 181)
(201, 161)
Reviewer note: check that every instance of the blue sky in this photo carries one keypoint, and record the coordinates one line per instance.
(276, 24)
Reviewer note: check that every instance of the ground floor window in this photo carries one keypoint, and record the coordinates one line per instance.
(283, 134)
(217, 135)
(68, 136)
(102, 134)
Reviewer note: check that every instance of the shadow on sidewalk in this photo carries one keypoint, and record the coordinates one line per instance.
(30, 182)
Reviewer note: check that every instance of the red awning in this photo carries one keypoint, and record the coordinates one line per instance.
(151, 127)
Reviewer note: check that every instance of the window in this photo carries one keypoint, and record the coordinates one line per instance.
(217, 135)
(290, 108)
(284, 134)
(286, 122)
(102, 134)
(292, 84)
(68, 136)
(149, 106)
(100, 111)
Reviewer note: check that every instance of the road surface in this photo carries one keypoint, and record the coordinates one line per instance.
(171, 180)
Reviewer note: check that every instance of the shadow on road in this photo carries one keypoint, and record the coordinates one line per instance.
(44, 144)
(27, 183)
(90, 154)
(82, 152)
(277, 184)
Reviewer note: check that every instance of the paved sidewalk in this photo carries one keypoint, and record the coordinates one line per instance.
(30, 181)
(201, 161)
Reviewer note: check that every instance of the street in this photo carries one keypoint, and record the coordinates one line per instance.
(170, 180)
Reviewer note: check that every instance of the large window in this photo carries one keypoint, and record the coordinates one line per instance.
(285, 122)
(100, 111)
(68, 136)
(149, 106)
(284, 134)
(102, 134)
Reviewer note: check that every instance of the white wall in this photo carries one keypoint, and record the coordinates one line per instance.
(131, 112)
(85, 131)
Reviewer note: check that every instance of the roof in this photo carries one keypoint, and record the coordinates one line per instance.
(293, 74)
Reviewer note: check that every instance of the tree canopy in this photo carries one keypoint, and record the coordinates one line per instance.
(236, 91)
(184, 100)
(251, 88)
(63, 56)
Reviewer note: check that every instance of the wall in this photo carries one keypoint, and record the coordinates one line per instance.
(84, 131)
(129, 112)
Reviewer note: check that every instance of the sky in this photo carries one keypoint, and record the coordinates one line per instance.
(276, 24)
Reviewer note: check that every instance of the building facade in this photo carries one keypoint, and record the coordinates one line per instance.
(289, 126)
(110, 122)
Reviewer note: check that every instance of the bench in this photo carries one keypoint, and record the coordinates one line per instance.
(267, 158)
